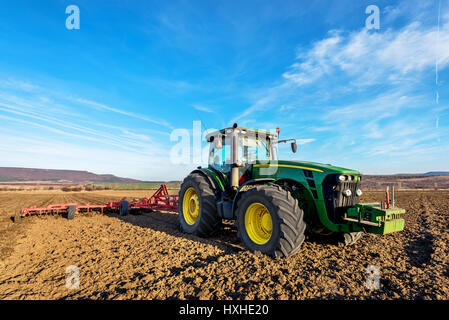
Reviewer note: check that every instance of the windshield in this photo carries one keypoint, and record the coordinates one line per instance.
(252, 149)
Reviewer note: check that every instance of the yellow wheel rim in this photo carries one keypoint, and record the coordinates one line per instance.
(258, 223)
(190, 206)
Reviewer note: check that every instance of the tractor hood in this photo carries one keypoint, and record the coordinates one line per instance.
(313, 166)
(324, 167)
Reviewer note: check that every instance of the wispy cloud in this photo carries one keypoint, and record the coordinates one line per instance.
(18, 85)
(62, 130)
(304, 141)
(361, 59)
(373, 57)
(267, 99)
(203, 108)
(101, 106)
(383, 105)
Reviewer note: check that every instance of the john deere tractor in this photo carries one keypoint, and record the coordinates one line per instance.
(272, 201)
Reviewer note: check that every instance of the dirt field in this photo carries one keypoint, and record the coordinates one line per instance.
(146, 257)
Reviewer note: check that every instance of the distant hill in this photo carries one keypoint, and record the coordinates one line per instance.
(8, 174)
(438, 173)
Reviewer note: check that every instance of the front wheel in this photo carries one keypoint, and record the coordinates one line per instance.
(270, 220)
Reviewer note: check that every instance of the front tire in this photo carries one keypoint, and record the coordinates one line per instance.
(197, 206)
(270, 220)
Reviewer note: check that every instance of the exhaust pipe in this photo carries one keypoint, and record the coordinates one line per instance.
(234, 155)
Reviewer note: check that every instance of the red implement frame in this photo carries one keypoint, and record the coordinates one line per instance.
(160, 200)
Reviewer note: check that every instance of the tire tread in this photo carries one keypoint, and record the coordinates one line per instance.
(291, 218)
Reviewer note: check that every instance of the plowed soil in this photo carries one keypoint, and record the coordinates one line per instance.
(146, 257)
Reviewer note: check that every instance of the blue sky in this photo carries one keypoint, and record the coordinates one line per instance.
(106, 98)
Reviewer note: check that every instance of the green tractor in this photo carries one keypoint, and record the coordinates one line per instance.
(272, 201)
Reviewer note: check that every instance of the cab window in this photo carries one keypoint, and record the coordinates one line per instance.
(252, 149)
(220, 158)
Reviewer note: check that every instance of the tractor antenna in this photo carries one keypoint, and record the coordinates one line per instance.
(202, 122)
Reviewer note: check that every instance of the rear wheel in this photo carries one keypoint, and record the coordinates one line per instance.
(197, 209)
(269, 220)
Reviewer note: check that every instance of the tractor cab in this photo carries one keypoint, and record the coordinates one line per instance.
(239, 148)
(251, 146)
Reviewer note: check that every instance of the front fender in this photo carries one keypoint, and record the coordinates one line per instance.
(243, 186)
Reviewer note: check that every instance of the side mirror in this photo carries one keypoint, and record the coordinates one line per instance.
(294, 147)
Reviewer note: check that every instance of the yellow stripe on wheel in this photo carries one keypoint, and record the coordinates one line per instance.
(258, 223)
(190, 206)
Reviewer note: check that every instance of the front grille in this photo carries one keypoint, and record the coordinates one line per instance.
(336, 202)
(341, 200)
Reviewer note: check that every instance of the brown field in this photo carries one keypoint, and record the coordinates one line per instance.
(403, 182)
(146, 257)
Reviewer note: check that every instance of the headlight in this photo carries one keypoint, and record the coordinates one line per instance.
(342, 178)
(347, 192)
(359, 192)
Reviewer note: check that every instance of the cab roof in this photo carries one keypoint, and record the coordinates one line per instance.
(243, 130)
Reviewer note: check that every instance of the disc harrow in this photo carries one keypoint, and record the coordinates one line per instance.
(160, 200)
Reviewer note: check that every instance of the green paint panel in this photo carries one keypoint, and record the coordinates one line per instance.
(295, 171)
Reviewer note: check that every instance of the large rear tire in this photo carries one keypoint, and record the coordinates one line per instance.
(197, 206)
(270, 220)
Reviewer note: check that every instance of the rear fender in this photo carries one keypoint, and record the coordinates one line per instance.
(213, 178)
